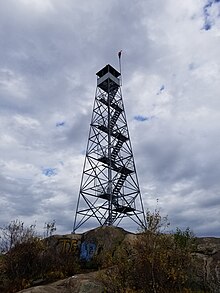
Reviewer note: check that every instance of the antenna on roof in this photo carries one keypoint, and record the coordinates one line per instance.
(119, 61)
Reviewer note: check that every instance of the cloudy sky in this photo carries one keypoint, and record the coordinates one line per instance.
(50, 51)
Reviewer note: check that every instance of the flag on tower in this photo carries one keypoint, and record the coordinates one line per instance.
(119, 54)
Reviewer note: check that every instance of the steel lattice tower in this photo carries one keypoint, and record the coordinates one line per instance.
(109, 190)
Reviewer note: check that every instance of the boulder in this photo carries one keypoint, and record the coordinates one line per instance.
(82, 283)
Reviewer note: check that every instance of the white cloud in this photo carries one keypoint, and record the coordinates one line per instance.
(12, 86)
(26, 122)
(40, 6)
(50, 52)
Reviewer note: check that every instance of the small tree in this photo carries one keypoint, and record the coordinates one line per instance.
(15, 233)
(155, 222)
(164, 258)
(23, 262)
(20, 261)
(184, 239)
(50, 228)
(156, 262)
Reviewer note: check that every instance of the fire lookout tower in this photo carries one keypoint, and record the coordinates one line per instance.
(109, 190)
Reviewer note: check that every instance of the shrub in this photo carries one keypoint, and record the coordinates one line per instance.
(27, 257)
(157, 262)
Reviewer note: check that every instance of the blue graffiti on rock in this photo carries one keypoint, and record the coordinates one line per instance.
(87, 251)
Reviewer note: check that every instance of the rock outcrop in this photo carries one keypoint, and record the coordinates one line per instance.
(106, 241)
(82, 283)
(208, 262)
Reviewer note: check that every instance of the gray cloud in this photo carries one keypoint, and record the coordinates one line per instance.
(50, 52)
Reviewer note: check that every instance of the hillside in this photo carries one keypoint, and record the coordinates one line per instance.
(107, 256)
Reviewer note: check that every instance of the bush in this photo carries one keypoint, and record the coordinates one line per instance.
(22, 263)
(15, 233)
(157, 262)
(27, 257)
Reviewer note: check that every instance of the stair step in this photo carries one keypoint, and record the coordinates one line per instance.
(114, 216)
(114, 118)
(116, 149)
(119, 184)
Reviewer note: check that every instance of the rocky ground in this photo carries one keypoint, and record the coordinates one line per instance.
(82, 283)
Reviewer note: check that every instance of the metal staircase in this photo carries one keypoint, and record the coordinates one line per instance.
(119, 184)
(114, 118)
(111, 217)
(116, 149)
